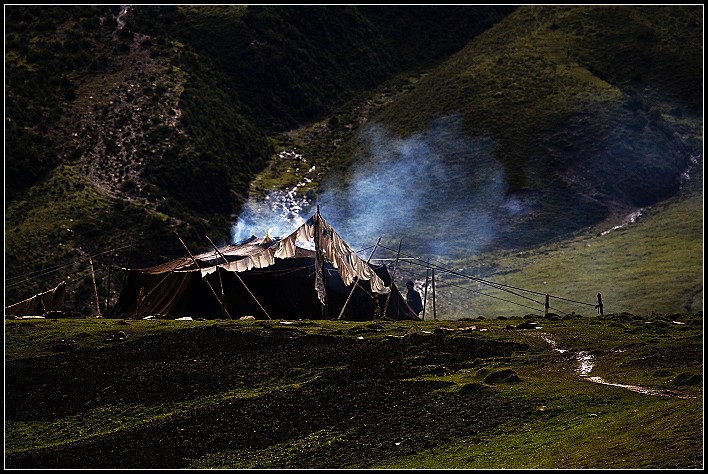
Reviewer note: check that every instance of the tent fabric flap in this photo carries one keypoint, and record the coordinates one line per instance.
(40, 303)
(335, 249)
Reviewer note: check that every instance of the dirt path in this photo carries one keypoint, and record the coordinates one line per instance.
(586, 362)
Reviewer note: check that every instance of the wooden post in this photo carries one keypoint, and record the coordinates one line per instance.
(95, 289)
(425, 291)
(139, 303)
(108, 291)
(395, 265)
(599, 304)
(548, 305)
(435, 314)
(127, 265)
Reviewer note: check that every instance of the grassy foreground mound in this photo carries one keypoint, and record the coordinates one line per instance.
(612, 391)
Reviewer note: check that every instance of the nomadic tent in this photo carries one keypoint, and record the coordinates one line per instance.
(267, 279)
(39, 304)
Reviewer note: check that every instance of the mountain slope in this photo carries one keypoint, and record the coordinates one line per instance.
(155, 122)
(161, 116)
(579, 123)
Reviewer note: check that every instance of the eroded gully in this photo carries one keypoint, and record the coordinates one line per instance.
(585, 364)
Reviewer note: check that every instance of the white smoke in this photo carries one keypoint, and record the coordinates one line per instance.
(439, 190)
(279, 214)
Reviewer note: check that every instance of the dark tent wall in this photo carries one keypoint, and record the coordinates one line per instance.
(285, 290)
(364, 305)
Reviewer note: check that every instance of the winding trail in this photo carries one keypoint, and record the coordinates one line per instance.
(586, 363)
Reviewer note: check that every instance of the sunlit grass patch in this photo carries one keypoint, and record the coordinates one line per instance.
(618, 432)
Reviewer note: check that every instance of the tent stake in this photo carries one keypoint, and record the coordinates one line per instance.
(209, 284)
(241, 280)
(356, 281)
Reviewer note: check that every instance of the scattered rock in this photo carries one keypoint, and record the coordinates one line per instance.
(116, 337)
(527, 325)
(65, 345)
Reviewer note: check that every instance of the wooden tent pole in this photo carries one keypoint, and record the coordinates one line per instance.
(223, 295)
(395, 265)
(425, 292)
(435, 314)
(241, 280)
(209, 284)
(139, 303)
(356, 281)
(127, 265)
(221, 281)
(95, 289)
(108, 290)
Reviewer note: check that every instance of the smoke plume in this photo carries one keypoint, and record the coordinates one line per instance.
(440, 191)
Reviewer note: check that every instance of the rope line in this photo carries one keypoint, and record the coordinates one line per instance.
(45, 271)
(36, 277)
(499, 286)
(495, 297)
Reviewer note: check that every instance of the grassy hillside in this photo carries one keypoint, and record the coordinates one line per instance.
(165, 114)
(577, 115)
(617, 391)
(575, 143)
(654, 264)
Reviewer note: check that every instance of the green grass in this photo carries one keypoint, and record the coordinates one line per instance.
(34, 337)
(627, 435)
(113, 418)
(559, 420)
(652, 265)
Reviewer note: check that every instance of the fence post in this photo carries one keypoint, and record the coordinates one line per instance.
(548, 305)
(598, 306)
